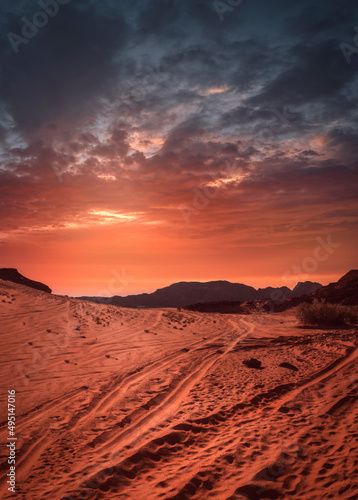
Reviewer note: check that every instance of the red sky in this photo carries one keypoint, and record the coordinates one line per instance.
(144, 149)
(258, 245)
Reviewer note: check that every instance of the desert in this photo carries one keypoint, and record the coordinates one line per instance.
(117, 403)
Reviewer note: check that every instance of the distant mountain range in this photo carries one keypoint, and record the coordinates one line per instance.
(185, 293)
(13, 275)
(344, 291)
(220, 295)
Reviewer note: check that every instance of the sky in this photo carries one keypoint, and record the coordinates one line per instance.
(149, 142)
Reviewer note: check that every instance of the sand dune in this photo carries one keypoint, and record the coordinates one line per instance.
(116, 403)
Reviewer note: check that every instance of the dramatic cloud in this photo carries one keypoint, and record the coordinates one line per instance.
(184, 140)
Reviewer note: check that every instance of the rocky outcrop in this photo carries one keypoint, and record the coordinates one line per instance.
(253, 363)
(305, 288)
(13, 275)
(344, 291)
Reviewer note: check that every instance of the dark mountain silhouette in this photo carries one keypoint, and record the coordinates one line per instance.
(223, 306)
(304, 288)
(344, 291)
(186, 293)
(272, 293)
(10, 274)
(183, 294)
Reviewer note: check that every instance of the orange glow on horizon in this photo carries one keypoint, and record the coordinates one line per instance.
(124, 259)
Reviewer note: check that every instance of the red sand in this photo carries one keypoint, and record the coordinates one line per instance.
(115, 403)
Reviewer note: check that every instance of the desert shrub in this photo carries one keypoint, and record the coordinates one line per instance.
(322, 314)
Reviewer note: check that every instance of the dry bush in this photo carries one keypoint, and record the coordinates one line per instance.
(322, 314)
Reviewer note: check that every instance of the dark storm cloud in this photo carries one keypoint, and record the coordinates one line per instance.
(90, 51)
(317, 19)
(345, 141)
(319, 72)
(184, 22)
(160, 19)
(63, 69)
